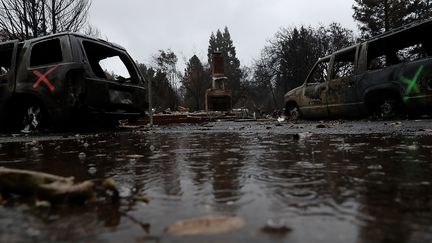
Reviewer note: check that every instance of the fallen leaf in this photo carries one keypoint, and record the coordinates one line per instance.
(205, 225)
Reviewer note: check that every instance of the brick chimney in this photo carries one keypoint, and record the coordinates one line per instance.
(218, 65)
(217, 98)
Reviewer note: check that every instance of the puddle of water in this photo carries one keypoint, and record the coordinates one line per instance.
(323, 188)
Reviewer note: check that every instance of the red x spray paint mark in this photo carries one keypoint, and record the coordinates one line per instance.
(43, 78)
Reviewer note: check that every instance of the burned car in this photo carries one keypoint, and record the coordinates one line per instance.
(387, 75)
(56, 80)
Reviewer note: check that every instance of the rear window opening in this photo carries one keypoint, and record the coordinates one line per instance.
(114, 69)
(108, 63)
(397, 49)
(46, 53)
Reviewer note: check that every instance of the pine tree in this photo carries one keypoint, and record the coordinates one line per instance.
(378, 16)
(420, 9)
(24, 19)
(195, 82)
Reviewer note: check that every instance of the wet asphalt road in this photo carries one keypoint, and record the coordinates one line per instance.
(335, 181)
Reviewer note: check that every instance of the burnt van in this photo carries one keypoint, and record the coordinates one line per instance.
(385, 76)
(56, 80)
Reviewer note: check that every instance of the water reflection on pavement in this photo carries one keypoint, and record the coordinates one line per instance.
(325, 188)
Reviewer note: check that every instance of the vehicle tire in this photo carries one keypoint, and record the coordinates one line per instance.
(293, 113)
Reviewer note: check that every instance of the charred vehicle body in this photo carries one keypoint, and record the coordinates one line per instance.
(388, 75)
(55, 80)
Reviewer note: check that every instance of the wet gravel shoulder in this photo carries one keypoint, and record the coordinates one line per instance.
(339, 127)
(422, 127)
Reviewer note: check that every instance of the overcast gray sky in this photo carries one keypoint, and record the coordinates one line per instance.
(184, 26)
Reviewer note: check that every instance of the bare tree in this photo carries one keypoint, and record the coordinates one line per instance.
(68, 15)
(93, 31)
(166, 80)
(24, 19)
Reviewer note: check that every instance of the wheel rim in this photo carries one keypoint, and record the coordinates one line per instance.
(294, 114)
(32, 119)
(387, 108)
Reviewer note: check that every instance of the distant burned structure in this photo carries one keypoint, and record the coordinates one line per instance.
(217, 98)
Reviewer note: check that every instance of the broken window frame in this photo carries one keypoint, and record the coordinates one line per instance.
(324, 64)
(115, 69)
(96, 68)
(386, 51)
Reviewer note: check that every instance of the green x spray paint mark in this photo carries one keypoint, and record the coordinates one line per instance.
(412, 83)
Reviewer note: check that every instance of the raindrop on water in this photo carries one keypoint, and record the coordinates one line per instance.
(82, 156)
(375, 167)
(92, 170)
(413, 147)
